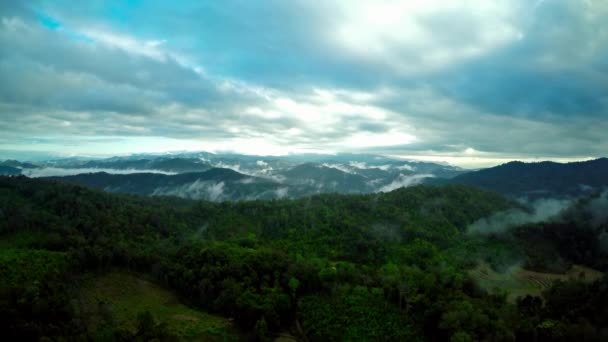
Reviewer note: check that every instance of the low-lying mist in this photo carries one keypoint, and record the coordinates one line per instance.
(404, 181)
(59, 172)
(536, 211)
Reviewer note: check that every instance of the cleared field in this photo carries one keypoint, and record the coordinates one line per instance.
(520, 282)
(126, 295)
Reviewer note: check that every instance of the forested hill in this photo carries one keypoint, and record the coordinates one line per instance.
(216, 184)
(449, 208)
(541, 179)
(389, 266)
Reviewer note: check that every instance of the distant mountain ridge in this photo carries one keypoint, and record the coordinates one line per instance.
(8, 170)
(215, 184)
(204, 175)
(218, 177)
(330, 178)
(539, 179)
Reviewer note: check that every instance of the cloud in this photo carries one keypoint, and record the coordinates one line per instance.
(281, 192)
(405, 167)
(540, 210)
(385, 167)
(599, 210)
(247, 181)
(53, 171)
(359, 165)
(215, 191)
(212, 191)
(404, 181)
(506, 79)
(422, 36)
(338, 167)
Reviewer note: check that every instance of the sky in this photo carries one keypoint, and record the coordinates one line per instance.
(474, 83)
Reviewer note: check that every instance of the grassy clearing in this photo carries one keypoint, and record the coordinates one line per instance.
(26, 267)
(520, 282)
(126, 295)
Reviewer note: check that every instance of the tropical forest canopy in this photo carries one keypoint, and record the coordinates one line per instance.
(401, 265)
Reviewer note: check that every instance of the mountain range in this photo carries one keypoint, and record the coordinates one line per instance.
(232, 177)
(541, 179)
(219, 177)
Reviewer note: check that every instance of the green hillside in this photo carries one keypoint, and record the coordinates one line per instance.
(121, 298)
(392, 266)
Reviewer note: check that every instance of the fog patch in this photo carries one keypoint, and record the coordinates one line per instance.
(404, 181)
(385, 232)
(374, 182)
(364, 166)
(265, 171)
(197, 190)
(405, 167)
(599, 210)
(385, 167)
(358, 165)
(201, 231)
(247, 181)
(281, 192)
(275, 178)
(264, 167)
(233, 167)
(540, 210)
(338, 167)
(60, 172)
(215, 191)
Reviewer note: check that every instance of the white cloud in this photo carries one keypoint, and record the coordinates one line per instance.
(541, 210)
(405, 167)
(53, 171)
(340, 167)
(425, 35)
(198, 189)
(358, 165)
(470, 151)
(370, 77)
(281, 192)
(368, 139)
(404, 181)
(247, 181)
(261, 164)
(127, 43)
(215, 191)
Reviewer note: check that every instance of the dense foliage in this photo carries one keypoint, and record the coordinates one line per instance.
(330, 267)
(578, 235)
(541, 179)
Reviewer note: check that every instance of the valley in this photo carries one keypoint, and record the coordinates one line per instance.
(304, 171)
(372, 266)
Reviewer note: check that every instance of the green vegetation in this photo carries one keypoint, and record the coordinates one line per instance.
(119, 297)
(519, 282)
(355, 313)
(539, 179)
(33, 297)
(392, 266)
(39, 264)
